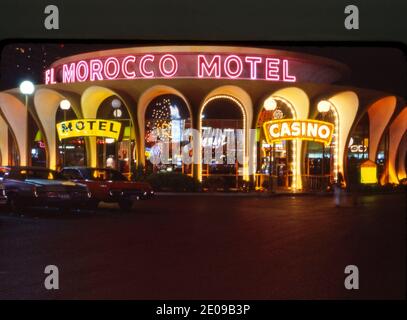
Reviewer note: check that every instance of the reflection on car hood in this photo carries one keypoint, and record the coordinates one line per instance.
(45, 182)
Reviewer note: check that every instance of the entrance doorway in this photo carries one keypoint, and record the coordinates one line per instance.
(275, 165)
(116, 154)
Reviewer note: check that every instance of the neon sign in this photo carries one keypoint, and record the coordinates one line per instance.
(88, 127)
(176, 65)
(289, 129)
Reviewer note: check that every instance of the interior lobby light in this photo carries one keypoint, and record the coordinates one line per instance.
(270, 104)
(116, 103)
(27, 87)
(117, 113)
(324, 106)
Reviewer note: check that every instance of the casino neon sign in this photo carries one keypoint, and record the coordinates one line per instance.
(176, 65)
(289, 129)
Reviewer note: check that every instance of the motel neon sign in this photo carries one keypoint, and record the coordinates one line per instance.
(88, 128)
(176, 65)
(289, 129)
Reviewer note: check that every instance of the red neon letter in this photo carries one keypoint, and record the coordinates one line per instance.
(174, 65)
(47, 76)
(214, 65)
(111, 75)
(68, 74)
(125, 62)
(82, 71)
(239, 67)
(96, 67)
(253, 66)
(287, 77)
(142, 66)
(272, 69)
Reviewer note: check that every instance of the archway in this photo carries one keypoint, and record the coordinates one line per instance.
(47, 106)
(341, 108)
(241, 98)
(143, 102)
(118, 154)
(15, 114)
(286, 172)
(91, 99)
(223, 142)
(167, 135)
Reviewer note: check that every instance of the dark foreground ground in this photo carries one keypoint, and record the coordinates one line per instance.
(200, 247)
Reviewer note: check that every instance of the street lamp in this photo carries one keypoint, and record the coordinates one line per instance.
(65, 105)
(26, 88)
(323, 107)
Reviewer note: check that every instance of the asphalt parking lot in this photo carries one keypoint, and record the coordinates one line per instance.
(204, 247)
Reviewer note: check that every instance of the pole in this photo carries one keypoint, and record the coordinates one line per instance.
(270, 168)
(26, 132)
(130, 150)
(64, 144)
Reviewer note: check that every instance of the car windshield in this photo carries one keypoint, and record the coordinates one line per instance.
(23, 174)
(103, 175)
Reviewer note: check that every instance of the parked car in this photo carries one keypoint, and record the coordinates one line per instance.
(109, 185)
(35, 186)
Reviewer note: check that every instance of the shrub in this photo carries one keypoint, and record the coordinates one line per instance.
(213, 183)
(172, 181)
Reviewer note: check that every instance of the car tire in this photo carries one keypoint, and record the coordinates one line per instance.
(92, 205)
(64, 210)
(126, 205)
(15, 205)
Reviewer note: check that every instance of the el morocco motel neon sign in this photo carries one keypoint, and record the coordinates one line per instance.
(176, 65)
(88, 128)
(289, 129)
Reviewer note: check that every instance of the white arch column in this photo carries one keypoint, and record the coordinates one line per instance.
(3, 142)
(397, 131)
(297, 100)
(16, 115)
(379, 113)
(401, 170)
(346, 104)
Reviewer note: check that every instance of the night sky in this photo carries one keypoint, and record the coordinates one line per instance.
(380, 68)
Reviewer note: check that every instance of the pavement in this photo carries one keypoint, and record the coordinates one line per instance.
(212, 247)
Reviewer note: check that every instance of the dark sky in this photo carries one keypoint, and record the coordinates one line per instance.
(380, 68)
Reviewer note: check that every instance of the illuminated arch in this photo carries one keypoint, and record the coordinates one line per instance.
(346, 104)
(146, 97)
(297, 100)
(3, 141)
(401, 172)
(243, 100)
(46, 104)
(91, 100)
(379, 113)
(15, 114)
(397, 131)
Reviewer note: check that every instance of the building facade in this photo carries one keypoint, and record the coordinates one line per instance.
(252, 113)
